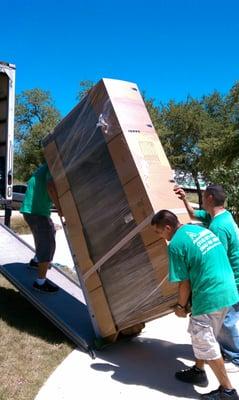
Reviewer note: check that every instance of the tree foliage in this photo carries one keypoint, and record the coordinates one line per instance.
(35, 117)
(85, 86)
(228, 177)
(200, 136)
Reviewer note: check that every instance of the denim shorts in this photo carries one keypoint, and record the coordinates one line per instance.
(204, 330)
(43, 231)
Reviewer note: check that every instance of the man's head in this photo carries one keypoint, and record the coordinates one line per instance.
(214, 196)
(166, 224)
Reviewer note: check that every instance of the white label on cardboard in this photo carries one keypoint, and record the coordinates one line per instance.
(128, 218)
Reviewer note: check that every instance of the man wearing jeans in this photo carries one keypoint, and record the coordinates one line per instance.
(199, 264)
(36, 210)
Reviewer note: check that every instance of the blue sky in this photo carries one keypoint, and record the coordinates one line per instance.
(170, 48)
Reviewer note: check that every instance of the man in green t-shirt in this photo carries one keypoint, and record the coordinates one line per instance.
(220, 221)
(199, 264)
(36, 209)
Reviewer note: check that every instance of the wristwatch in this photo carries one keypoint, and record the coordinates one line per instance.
(179, 306)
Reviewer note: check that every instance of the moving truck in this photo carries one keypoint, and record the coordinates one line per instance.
(7, 103)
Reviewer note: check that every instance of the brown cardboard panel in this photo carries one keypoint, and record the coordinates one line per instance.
(184, 218)
(159, 188)
(100, 110)
(121, 89)
(70, 211)
(112, 145)
(3, 131)
(3, 109)
(169, 289)
(93, 282)
(56, 168)
(83, 260)
(80, 250)
(128, 106)
(143, 153)
(4, 86)
(158, 256)
(102, 312)
(141, 208)
(138, 200)
(149, 235)
(75, 231)
(122, 159)
(146, 150)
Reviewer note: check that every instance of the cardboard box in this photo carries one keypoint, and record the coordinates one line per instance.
(53, 158)
(112, 175)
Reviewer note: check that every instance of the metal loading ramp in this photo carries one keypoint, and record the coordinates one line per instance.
(66, 309)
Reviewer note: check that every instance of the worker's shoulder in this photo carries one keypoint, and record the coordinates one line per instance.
(223, 220)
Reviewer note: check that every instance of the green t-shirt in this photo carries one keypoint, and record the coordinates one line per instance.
(37, 200)
(197, 255)
(224, 226)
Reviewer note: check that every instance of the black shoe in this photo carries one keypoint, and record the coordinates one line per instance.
(220, 394)
(47, 287)
(33, 264)
(193, 375)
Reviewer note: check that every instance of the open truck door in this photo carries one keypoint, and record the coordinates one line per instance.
(7, 106)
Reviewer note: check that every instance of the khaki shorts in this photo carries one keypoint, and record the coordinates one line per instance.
(204, 330)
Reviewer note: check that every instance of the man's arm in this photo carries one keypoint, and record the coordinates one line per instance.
(53, 195)
(182, 196)
(184, 291)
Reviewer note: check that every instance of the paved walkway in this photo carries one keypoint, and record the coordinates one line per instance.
(141, 368)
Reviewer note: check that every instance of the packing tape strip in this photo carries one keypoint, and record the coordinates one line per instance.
(125, 240)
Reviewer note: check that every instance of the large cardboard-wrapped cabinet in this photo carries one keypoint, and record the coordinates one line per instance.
(112, 175)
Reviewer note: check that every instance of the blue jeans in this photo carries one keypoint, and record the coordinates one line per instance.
(229, 335)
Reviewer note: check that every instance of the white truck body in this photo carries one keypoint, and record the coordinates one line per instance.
(7, 108)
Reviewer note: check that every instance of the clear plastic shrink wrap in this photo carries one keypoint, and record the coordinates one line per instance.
(112, 175)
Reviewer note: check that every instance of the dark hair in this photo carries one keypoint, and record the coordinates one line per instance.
(165, 217)
(218, 194)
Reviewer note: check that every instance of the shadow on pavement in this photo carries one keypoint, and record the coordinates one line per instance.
(148, 362)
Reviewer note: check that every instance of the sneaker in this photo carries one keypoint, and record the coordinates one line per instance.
(220, 394)
(33, 264)
(193, 375)
(47, 287)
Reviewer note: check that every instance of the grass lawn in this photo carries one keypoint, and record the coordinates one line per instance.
(19, 226)
(31, 347)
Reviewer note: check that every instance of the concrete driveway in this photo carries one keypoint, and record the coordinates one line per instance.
(141, 368)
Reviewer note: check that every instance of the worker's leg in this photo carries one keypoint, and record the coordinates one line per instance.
(204, 330)
(44, 236)
(45, 244)
(42, 269)
(220, 372)
(200, 363)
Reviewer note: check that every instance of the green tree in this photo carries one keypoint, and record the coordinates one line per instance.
(35, 117)
(85, 86)
(223, 148)
(231, 143)
(184, 127)
(228, 177)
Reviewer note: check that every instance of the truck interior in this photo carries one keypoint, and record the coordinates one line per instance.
(4, 96)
